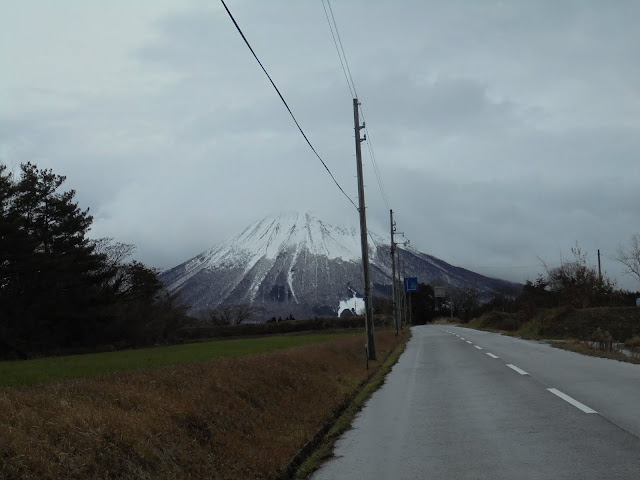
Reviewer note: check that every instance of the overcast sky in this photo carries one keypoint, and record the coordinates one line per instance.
(504, 131)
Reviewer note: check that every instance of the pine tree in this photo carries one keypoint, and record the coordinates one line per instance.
(49, 269)
(58, 288)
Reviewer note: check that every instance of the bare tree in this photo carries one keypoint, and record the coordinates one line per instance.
(211, 317)
(245, 311)
(114, 255)
(464, 300)
(630, 257)
(224, 314)
(115, 252)
(576, 283)
(228, 314)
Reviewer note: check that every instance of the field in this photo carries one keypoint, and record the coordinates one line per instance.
(242, 417)
(43, 370)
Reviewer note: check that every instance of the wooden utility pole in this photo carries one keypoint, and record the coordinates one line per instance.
(599, 267)
(400, 288)
(393, 275)
(368, 307)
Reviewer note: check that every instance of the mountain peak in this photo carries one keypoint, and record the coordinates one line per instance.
(296, 263)
(274, 235)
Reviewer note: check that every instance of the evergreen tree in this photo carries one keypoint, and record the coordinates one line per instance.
(58, 289)
(51, 266)
(422, 304)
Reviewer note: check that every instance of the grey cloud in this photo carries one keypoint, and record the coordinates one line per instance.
(503, 130)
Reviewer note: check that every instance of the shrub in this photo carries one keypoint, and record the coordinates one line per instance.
(603, 340)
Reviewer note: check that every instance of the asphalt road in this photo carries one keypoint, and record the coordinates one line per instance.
(465, 404)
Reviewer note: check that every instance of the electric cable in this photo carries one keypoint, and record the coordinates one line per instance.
(285, 102)
(376, 170)
(337, 41)
(355, 93)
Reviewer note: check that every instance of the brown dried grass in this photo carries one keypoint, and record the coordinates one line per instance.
(593, 350)
(235, 418)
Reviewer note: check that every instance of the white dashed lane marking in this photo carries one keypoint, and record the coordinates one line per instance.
(514, 368)
(572, 401)
(556, 392)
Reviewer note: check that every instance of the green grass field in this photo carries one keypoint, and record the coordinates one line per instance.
(49, 369)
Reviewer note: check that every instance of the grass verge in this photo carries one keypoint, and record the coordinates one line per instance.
(584, 348)
(242, 417)
(49, 369)
(588, 331)
(342, 420)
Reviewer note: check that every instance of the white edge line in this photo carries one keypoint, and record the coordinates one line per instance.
(520, 371)
(492, 355)
(572, 401)
(478, 347)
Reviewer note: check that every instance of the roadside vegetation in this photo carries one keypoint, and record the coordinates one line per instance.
(323, 443)
(574, 308)
(243, 417)
(51, 369)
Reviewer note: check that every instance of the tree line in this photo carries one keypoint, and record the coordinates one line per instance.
(59, 289)
(573, 284)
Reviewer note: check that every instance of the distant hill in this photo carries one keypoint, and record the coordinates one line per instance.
(297, 264)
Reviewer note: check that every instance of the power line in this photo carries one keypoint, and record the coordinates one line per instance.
(285, 102)
(373, 240)
(337, 41)
(376, 170)
(344, 55)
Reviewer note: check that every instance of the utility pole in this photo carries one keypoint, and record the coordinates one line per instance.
(393, 275)
(401, 288)
(368, 308)
(397, 284)
(599, 269)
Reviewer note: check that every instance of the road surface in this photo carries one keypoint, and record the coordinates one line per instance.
(466, 404)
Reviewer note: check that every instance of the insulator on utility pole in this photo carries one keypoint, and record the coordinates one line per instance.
(368, 307)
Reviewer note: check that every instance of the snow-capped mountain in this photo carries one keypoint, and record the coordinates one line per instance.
(296, 264)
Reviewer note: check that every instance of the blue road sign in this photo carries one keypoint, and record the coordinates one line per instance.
(411, 284)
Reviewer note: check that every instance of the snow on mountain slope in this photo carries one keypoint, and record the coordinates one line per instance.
(295, 263)
(267, 238)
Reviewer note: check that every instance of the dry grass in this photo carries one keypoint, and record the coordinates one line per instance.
(633, 344)
(495, 321)
(234, 418)
(342, 423)
(593, 350)
(445, 321)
